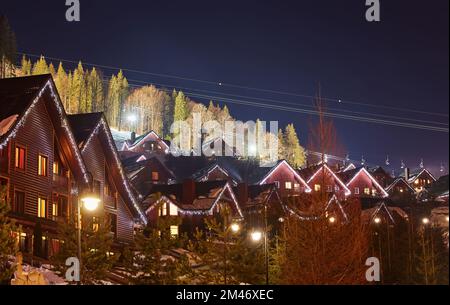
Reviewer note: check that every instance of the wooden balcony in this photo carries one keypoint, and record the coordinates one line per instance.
(60, 184)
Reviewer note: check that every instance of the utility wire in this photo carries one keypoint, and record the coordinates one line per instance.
(341, 101)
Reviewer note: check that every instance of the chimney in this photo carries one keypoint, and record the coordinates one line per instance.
(242, 194)
(406, 173)
(133, 137)
(188, 195)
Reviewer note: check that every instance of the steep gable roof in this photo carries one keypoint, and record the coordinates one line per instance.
(399, 180)
(207, 195)
(19, 95)
(88, 126)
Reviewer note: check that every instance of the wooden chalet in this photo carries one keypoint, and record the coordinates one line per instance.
(41, 165)
(362, 184)
(95, 142)
(148, 142)
(191, 202)
(419, 179)
(322, 178)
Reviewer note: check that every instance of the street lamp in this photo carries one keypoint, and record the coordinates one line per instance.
(256, 236)
(90, 201)
(332, 219)
(425, 220)
(235, 227)
(377, 220)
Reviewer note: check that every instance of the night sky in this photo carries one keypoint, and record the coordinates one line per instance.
(402, 61)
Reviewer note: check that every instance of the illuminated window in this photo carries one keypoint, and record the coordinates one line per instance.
(374, 192)
(42, 165)
(277, 184)
(56, 167)
(174, 231)
(329, 188)
(42, 207)
(20, 157)
(416, 182)
(356, 190)
(173, 210)
(367, 191)
(55, 210)
(95, 224)
(401, 190)
(155, 176)
(163, 209)
(288, 185)
(429, 181)
(296, 185)
(317, 187)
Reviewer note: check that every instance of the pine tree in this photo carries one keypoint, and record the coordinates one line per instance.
(180, 111)
(111, 106)
(294, 152)
(25, 67)
(151, 263)
(61, 82)
(8, 48)
(229, 257)
(8, 246)
(51, 70)
(96, 250)
(77, 101)
(40, 67)
(96, 85)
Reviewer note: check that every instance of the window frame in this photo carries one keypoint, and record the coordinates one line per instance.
(40, 199)
(39, 159)
(24, 148)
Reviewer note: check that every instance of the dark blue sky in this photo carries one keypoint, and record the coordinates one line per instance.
(403, 61)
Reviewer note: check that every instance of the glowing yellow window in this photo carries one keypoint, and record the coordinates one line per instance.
(317, 187)
(416, 182)
(42, 165)
(174, 231)
(173, 210)
(55, 167)
(367, 191)
(42, 207)
(288, 185)
(155, 176)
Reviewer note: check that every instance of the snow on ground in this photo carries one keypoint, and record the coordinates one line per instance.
(120, 137)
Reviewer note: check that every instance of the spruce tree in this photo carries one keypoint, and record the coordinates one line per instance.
(25, 67)
(8, 48)
(8, 245)
(96, 248)
(180, 111)
(40, 67)
(61, 82)
(294, 152)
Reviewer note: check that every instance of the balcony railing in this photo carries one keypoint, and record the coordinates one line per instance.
(60, 183)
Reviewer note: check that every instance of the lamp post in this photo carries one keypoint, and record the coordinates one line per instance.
(90, 201)
(425, 222)
(234, 228)
(256, 236)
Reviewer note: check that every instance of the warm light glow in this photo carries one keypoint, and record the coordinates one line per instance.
(90, 203)
(425, 221)
(235, 227)
(281, 219)
(132, 118)
(332, 219)
(446, 218)
(256, 236)
(377, 220)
